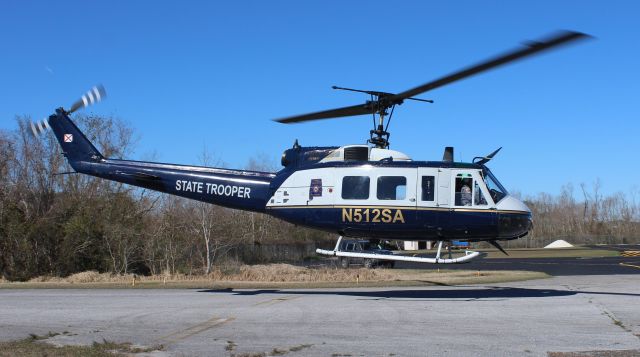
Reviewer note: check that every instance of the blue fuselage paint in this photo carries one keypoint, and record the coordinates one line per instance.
(388, 222)
(252, 191)
(239, 189)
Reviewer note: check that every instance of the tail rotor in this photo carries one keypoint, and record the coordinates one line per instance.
(95, 95)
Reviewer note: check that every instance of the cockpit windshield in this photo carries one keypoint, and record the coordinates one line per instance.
(497, 191)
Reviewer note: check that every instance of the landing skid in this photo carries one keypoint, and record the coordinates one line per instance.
(469, 255)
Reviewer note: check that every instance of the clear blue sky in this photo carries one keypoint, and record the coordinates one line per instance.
(190, 74)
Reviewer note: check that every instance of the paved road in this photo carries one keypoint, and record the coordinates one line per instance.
(551, 266)
(617, 247)
(568, 313)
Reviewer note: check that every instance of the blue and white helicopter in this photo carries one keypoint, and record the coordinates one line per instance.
(361, 191)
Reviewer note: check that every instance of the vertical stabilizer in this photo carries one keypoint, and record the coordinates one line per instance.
(75, 145)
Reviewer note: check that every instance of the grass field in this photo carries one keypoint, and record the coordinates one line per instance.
(281, 276)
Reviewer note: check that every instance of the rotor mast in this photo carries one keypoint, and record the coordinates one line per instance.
(378, 106)
(382, 136)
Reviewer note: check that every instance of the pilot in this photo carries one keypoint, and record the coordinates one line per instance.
(465, 195)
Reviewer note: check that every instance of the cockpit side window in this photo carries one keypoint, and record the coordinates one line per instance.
(464, 182)
(478, 197)
(496, 190)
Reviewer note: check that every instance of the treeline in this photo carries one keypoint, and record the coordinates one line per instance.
(53, 222)
(583, 215)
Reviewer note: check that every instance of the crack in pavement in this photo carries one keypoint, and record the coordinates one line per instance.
(193, 330)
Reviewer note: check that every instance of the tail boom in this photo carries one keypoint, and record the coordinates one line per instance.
(246, 190)
(239, 189)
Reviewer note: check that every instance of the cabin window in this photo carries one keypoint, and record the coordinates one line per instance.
(392, 188)
(464, 182)
(355, 187)
(428, 184)
(478, 197)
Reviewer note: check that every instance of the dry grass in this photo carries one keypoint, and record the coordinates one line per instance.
(90, 276)
(33, 346)
(291, 273)
(280, 276)
(252, 273)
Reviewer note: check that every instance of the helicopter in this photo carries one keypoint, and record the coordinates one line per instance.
(355, 191)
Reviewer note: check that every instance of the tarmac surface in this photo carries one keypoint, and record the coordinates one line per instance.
(551, 266)
(532, 318)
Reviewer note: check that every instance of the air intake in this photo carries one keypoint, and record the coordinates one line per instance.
(356, 153)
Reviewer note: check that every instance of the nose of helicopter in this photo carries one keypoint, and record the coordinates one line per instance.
(514, 218)
(510, 203)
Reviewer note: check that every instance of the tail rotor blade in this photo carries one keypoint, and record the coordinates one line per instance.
(96, 94)
(38, 128)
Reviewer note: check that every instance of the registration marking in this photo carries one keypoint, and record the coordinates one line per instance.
(372, 215)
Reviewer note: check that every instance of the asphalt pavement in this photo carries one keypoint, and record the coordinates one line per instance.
(591, 304)
(551, 266)
(532, 318)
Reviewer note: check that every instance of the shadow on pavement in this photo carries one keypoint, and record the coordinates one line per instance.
(454, 294)
(448, 294)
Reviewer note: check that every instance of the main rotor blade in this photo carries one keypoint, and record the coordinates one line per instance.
(359, 109)
(531, 48)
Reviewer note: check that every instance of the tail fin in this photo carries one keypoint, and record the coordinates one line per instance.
(75, 145)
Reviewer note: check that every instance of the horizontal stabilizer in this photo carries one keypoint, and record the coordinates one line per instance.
(139, 175)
